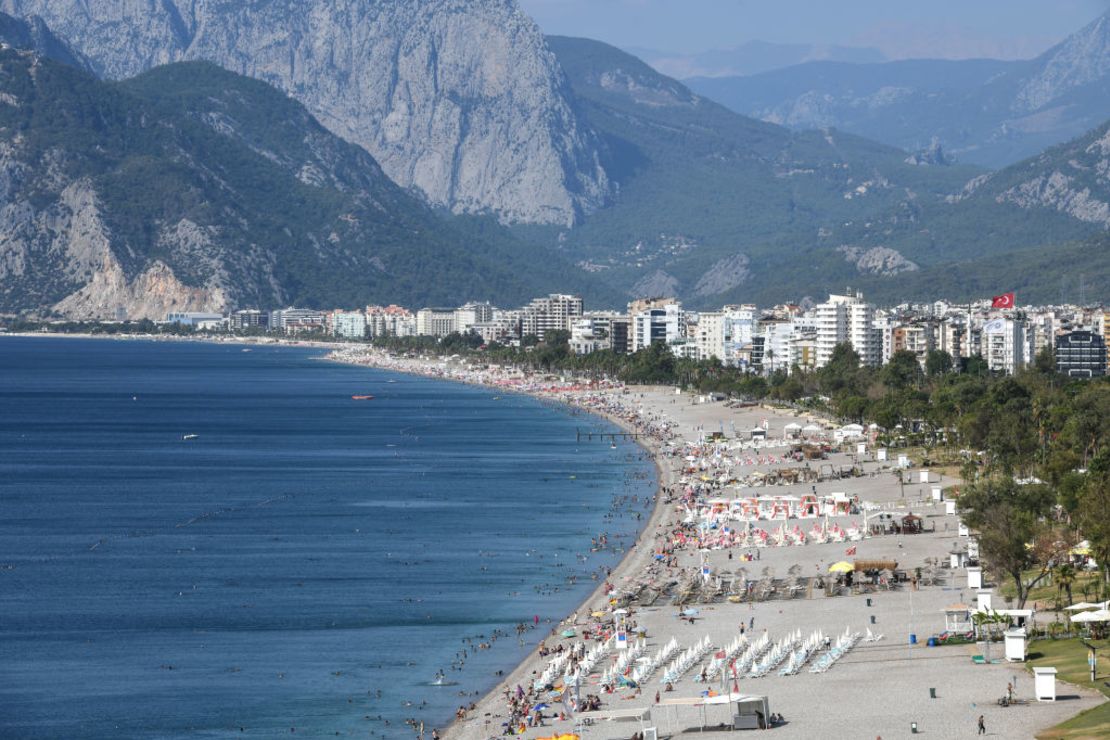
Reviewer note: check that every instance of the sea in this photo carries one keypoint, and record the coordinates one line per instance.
(206, 540)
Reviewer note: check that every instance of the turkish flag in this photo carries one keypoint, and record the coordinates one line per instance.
(1006, 300)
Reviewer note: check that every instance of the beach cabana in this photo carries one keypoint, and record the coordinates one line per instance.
(792, 429)
(746, 711)
(642, 715)
(911, 524)
(957, 618)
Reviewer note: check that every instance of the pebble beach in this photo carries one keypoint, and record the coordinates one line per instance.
(683, 590)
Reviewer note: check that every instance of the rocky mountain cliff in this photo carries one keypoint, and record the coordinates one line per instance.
(192, 188)
(459, 99)
(984, 112)
(34, 35)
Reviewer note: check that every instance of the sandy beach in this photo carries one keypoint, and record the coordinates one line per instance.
(881, 687)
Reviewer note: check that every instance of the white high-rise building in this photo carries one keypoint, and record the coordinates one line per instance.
(554, 312)
(739, 329)
(472, 314)
(710, 338)
(435, 322)
(348, 324)
(778, 338)
(658, 322)
(1003, 345)
(847, 318)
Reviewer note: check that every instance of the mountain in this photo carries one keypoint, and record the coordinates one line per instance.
(34, 35)
(458, 99)
(718, 207)
(193, 188)
(749, 58)
(985, 112)
(1041, 225)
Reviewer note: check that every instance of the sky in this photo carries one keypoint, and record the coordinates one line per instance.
(953, 29)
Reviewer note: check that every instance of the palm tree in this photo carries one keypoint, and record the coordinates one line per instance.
(1065, 578)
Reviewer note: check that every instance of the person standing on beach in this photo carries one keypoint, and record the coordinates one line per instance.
(982, 725)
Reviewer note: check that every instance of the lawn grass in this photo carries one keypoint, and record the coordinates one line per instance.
(1069, 658)
(1047, 591)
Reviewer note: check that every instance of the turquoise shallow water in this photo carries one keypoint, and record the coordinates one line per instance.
(302, 554)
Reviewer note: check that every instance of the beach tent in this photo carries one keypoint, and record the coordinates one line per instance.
(842, 567)
(1102, 615)
(642, 715)
(1081, 606)
(754, 709)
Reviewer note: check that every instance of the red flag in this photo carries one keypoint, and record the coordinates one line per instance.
(1006, 300)
(851, 550)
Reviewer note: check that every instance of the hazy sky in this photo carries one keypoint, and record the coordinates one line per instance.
(899, 28)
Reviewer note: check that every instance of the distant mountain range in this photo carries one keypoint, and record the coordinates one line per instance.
(510, 165)
(718, 207)
(985, 112)
(752, 57)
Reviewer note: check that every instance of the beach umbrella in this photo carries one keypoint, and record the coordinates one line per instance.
(568, 633)
(842, 567)
(1081, 606)
(1099, 616)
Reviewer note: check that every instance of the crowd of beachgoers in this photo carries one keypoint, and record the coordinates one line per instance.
(716, 508)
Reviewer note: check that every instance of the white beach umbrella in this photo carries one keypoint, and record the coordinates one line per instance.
(1082, 605)
(1101, 615)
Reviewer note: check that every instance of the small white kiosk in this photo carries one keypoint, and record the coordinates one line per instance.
(923, 476)
(957, 559)
(974, 577)
(1044, 684)
(949, 507)
(861, 448)
(963, 531)
(983, 600)
(938, 493)
(1015, 644)
(903, 461)
(880, 454)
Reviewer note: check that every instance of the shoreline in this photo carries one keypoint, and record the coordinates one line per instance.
(631, 560)
(878, 685)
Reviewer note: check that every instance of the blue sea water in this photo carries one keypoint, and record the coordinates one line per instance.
(302, 554)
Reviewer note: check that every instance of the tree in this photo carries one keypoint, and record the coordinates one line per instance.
(1009, 518)
(841, 372)
(1065, 576)
(938, 362)
(1092, 514)
(901, 372)
(976, 366)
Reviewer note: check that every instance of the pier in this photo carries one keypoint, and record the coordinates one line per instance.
(579, 435)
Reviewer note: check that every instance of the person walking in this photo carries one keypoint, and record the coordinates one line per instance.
(982, 725)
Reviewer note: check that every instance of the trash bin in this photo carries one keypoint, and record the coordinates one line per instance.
(913, 639)
(932, 693)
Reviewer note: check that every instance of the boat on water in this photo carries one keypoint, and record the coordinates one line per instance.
(187, 437)
(363, 398)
